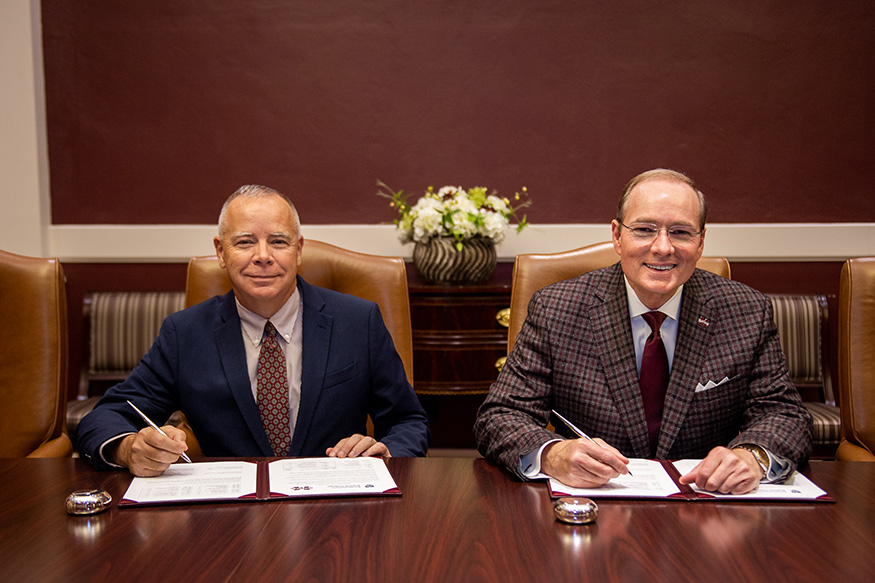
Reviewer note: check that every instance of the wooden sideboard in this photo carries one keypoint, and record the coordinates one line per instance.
(459, 334)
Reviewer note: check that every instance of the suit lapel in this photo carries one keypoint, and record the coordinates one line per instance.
(314, 360)
(229, 342)
(614, 336)
(688, 362)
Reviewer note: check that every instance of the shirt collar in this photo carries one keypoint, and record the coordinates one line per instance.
(283, 320)
(671, 308)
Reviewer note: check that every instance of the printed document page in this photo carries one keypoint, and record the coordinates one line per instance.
(199, 481)
(795, 487)
(330, 476)
(648, 479)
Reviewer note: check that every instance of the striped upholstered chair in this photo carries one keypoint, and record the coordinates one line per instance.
(803, 332)
(120, 327)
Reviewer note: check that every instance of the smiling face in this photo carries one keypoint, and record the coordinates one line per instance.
(656, 268)
(260, 248)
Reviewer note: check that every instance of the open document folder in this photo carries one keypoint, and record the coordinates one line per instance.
(264, 480)
(658, 479)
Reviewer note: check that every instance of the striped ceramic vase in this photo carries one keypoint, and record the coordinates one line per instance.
(438, 261)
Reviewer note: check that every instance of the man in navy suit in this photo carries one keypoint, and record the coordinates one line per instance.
(729, 398)
(339, 361)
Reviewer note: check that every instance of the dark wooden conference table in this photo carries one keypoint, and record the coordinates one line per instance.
(459, 519)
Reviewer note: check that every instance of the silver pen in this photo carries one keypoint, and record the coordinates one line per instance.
(155, 427)
(576, 430)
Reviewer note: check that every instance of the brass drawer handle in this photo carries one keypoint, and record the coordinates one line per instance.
(499, 364)
(503, 317)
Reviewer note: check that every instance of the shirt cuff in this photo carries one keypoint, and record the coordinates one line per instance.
(107, 442)
(779, 467)
(530, 463)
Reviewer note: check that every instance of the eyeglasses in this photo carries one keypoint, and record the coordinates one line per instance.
(678, 235)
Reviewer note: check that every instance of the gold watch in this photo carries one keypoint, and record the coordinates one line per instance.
(759, 455)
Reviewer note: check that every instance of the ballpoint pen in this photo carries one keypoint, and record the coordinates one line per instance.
(158, 429)
(576, 430)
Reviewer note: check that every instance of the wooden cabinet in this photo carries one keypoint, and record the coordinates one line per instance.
(459, 334)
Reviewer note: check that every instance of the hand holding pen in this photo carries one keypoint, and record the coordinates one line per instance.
(575, 465)
(156, 428)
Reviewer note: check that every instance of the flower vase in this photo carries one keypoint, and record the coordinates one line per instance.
(440, 262)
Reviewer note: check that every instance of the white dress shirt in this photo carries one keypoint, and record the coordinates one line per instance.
(289, 326)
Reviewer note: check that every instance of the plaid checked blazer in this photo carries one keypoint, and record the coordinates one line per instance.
(575, 354)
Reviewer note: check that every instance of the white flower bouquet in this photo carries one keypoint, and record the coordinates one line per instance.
(455, 212)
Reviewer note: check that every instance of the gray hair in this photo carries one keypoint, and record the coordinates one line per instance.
(667, 175)
(252, 191)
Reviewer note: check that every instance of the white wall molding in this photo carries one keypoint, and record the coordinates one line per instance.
(736, 241)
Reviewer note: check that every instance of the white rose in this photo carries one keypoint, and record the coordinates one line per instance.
(426, 224)
(494, 226)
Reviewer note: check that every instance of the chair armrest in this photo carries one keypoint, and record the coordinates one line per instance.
(60, 446)
(850, 452)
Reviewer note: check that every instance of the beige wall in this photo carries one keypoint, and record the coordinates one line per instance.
(24, 194)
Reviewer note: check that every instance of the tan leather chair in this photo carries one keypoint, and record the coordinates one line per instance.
(533, 271)
(857, 360)
(33, 357)
(380, 279)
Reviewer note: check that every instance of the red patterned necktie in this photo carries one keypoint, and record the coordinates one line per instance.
(272, 387)
(654, 376)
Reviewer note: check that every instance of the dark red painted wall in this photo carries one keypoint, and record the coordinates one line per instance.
(158, 110)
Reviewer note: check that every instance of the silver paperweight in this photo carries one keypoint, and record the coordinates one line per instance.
(575, 510)
(88, 501)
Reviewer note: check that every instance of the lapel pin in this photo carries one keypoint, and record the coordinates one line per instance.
(703, 322)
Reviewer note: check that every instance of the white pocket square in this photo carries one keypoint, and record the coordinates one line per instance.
(710, 385)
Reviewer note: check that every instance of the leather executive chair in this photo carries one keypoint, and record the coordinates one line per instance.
(533, 271)
(33, 358)
(857, 359)
(377, 278)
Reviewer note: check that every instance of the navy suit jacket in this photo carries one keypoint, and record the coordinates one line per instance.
(575, 354)
(197, 365)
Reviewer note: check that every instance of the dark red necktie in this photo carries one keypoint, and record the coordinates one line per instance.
(272, 388)
(654, 376)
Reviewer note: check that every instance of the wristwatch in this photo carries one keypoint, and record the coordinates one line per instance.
(759, 455)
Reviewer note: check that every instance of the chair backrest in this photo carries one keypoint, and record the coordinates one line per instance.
(372, 277)
(120, 329)
(857, 359)
(33, 357)
(533, 271)
(803, 331)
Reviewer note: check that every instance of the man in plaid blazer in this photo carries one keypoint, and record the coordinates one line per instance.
(729, 398)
